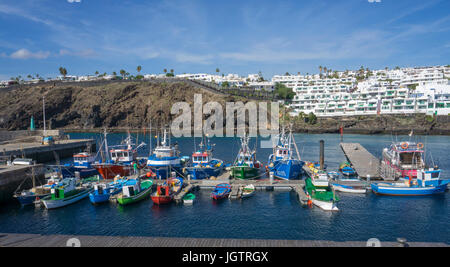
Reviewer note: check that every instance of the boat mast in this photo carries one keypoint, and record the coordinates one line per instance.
(106, 145)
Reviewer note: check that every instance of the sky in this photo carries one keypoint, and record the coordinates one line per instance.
(236, 36)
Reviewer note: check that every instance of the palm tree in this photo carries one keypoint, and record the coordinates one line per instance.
(320, 69)
(217, 71)
(29, 76)
(63, 71)
(123, 72)
(114, 73)
(139, 68)
(165, 70)
(96, 72)
(171, 71)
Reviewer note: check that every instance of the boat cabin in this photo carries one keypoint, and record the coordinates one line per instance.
(123, 155)
(130, 190)
(165, 152)
(64, 187)
(83, 160)
(282, 153)
(406, 155)
(100, 188)
(199, 157)
(429, 177)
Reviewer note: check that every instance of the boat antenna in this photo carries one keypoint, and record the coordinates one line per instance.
(151, 146)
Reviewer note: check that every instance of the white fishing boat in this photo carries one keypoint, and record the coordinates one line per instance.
(248, 191)
(349, 189)
(64, 194)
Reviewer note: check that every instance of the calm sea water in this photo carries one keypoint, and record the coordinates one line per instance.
(267, 215)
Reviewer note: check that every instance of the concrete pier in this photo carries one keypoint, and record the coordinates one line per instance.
(12, 176)
(37, 240)
(365, 164)
(44, 153)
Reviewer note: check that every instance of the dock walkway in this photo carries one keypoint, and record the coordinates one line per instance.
(37, 240)
(365, 164)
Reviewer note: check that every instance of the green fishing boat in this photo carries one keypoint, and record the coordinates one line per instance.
(246, 166)
(320, 192)
(135, 193)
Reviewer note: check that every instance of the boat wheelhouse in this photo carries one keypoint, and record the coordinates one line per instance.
(246, 166)
(203, 164)
(282, 162)
(165, 158)
(405, 158)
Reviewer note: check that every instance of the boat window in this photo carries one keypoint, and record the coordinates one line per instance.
(410, 158)
(435, 175)
(113, 155)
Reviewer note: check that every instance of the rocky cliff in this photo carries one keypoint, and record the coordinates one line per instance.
(119, 105)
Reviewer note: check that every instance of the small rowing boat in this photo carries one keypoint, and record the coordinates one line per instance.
(248, 191)
(189, 199)
(221, 191)
(349, 189)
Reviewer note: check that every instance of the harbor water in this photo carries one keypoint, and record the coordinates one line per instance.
(267, 215)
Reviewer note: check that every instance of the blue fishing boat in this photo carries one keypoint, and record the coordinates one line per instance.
(103, 192)
(203, 164)
(221, 191)
(165, 158)
(428, 182)
(82, 163)
(282, 162)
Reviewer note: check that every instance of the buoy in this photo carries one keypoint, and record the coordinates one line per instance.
(405, 145)
(310, 203)
(149, 174)
(420, 146)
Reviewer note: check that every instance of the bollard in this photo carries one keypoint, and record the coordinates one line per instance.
(271, 174)
(322, 154)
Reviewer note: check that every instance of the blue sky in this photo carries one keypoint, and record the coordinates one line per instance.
(39, 36)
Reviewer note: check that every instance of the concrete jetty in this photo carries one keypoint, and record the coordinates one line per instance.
(12, 176)
(365, 164)
(44, 153)
(37, 240)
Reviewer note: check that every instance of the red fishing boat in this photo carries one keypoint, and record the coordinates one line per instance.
(166, 192)
(120, 160)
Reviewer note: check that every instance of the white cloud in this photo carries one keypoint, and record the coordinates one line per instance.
(26, 54)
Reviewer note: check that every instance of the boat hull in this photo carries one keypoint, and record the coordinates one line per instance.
(84, 172)
(203, 173)
(30, 199)
(349, 189)
(244, 172)
(134, 199)
(54, 204)
(110, 171)
(162, 200)
(391, 190)
(325, 205)
(287, 169)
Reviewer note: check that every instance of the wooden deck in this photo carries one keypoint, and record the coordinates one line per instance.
(365, 164)
(36, 240)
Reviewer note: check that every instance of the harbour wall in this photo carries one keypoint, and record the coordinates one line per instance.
(12, 176)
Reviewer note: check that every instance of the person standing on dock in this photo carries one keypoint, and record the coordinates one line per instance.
(135, 167)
